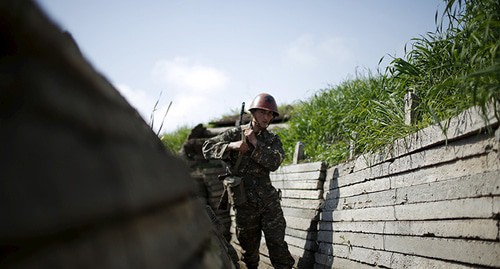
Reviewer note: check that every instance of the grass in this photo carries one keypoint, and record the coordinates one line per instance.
(449, 70)
(173, 141)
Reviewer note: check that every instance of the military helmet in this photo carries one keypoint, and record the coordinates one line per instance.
(264, 101)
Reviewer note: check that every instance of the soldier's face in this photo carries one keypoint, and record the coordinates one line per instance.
(262, 117)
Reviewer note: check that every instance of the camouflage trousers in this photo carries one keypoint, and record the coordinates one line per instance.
(262, 213)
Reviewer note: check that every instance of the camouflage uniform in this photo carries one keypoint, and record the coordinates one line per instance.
(262, 211)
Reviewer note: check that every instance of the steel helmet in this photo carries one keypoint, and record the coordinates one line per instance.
(265, 101)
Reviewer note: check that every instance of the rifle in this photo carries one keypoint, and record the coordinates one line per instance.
(238, 161)
(223, 202)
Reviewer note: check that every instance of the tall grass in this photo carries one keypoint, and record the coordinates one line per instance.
(362, 110)
(173, 141)
(457, 66)
(449, 70)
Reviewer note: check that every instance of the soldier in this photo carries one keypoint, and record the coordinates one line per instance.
(251, 152)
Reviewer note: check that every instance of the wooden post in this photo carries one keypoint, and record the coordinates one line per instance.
(411, 103)
(298, 154)
(352, 145)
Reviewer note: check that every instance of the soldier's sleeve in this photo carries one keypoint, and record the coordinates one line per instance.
(215, 147)
(270, 155)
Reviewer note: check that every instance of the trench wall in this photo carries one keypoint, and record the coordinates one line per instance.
(430, 200)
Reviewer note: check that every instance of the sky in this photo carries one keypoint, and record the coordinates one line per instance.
(204, 58)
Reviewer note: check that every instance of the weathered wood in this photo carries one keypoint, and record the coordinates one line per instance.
(356, 257)
(300, 203)
(298, 153)
(370, 186)
(481, 163)
(300, 223)
(468, 251)
(301, 167)
(300, 212)
(469, 186)
(302, 194)
(466, 228)
(475, 185)
(298, 185)
(378, 199)
(463, 208)
(312, 175)
(364, 255)
(409, 261)
(480, 145)
(301, 243)
(411, 103)
(327, 262)
(371, 241)
(365, 214)
(374, 227)
(302, 234)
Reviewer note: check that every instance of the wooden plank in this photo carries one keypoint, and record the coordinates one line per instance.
(477, 145)
(301, 223)
(301, 243)
(476, 185)
(309, 214)
(327, 262)
(496, 206)
(369, 186)
(372, 241)
(314, 175)
(409, 261)
(298, 185)
(380, 170)
(474, 165)
(378, 199)
(300, 203)
(349, 253)
(307, 235)
(484, 253)
(364, 214)
(469, 186)
(428, 158)
(366, 258)
(463, 208)
(301, 167)
(376, 227)
(464, 228)
(302, 194)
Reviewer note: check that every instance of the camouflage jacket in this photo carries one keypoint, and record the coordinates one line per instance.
(256, 162)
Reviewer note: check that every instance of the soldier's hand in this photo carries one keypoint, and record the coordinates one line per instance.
(240, 146)
(250, 136)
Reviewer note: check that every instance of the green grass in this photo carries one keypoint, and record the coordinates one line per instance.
(449, 70)
(173, 141)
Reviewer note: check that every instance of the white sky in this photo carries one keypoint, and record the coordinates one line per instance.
(206, 57)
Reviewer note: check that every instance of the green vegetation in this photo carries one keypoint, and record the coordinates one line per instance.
(449, 71)
(173, 141)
